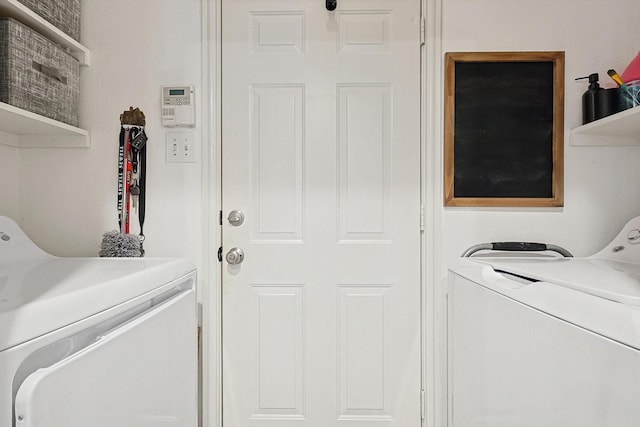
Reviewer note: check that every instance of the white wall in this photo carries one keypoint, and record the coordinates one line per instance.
(68, 196)
(9, 181)
(600, 184)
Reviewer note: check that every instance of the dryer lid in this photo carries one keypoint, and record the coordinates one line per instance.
(40, 293)
(42, 296)
(613, 280)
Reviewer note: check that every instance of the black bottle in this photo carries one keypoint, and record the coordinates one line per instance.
(590, 99)
(598, 102)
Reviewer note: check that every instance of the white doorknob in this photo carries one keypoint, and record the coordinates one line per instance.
(235, 256)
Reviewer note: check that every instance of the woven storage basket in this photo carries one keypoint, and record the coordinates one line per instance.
(64, 14)
(36, 74)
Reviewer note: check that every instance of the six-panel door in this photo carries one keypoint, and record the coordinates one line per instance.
(321, 154)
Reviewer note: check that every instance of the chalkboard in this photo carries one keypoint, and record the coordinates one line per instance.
(504, 129)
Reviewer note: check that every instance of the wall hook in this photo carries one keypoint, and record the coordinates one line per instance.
(331, 5)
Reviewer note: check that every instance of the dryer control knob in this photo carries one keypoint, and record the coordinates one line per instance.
(634, 236)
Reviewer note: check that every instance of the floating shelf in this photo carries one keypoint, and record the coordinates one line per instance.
(18, 11)
(20, 128)
(622, 128)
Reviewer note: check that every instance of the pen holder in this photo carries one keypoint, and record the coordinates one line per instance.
(630, 97)
(608, 102)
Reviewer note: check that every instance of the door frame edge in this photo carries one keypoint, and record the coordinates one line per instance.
(211, 354)
(433, 286)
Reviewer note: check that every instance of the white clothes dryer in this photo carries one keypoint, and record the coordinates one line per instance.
(546, 341)
(98, 342)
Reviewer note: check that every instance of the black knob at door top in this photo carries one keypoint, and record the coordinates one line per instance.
(331, 4)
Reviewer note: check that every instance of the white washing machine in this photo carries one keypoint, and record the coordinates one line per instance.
(98, 342)
(546, 341)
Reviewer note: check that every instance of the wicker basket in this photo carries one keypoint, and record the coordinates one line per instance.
(36, 74)
(64, 14)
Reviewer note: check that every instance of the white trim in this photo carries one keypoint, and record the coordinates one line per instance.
(211, 404)
(433, 291)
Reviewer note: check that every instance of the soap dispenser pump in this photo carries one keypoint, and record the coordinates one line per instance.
(590, 99)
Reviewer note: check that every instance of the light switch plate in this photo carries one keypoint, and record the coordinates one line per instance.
(180, 147)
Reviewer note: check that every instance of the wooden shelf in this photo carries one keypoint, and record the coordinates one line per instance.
(20, 128)
(622, 128)
(18, 11)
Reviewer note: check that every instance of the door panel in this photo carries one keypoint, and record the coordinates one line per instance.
(321, 152)
(364, 162)
(365, 363)
(278, 381)
(276, 138)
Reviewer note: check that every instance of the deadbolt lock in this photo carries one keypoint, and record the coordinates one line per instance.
(235, 218)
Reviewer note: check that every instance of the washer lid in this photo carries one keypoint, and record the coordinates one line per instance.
(47, 293)
(613, 280)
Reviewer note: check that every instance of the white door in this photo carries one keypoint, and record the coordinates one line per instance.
(321, 154)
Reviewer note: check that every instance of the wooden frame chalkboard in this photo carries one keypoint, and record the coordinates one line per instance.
(504, 129)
